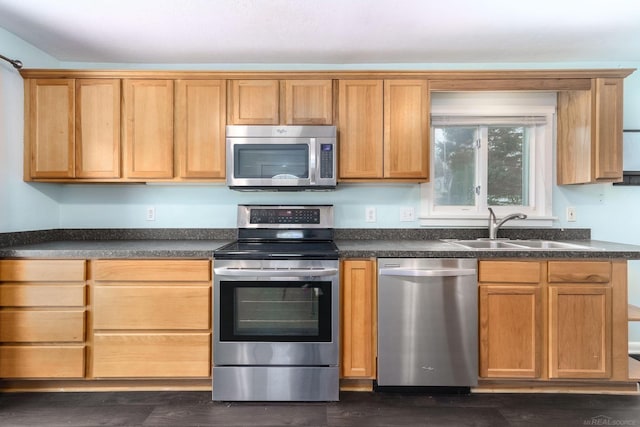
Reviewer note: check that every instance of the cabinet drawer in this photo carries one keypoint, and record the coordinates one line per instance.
(43, 270)
(41, 295)
(152, 270)
(509, 271)
(41, 326)
(151, 355)
(579, 271)
(42, 361)
(151, 307)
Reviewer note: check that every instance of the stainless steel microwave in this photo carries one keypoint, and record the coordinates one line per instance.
(281, 157)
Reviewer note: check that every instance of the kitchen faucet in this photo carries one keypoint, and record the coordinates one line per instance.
(494, 224)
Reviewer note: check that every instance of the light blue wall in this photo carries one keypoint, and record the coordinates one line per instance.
(22, 206)
(610, 211)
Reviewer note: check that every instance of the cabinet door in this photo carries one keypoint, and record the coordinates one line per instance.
(308, 102)
(254, 102)
(200, 128)
(590, 133)
(359, 328)
(97, 128)
(360, 127)
(50, 128)
(580, 331)
(406, 129)
(511, 331)
(608, 130)
(148, 128)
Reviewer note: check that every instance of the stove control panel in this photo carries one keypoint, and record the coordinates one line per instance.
(285, 216)
(266, 216)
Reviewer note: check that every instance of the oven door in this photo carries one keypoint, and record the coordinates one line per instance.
(276, 313)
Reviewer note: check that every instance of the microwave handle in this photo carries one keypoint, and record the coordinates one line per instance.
(313, 146)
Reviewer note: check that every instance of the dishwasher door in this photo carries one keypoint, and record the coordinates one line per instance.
(427, 322)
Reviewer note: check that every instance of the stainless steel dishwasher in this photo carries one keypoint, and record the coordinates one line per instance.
(427, 322)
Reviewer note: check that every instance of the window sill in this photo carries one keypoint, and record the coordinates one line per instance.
(482, 221)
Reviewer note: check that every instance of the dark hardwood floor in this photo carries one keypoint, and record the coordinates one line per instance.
(354, 409)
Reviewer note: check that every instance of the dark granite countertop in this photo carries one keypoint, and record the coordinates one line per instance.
(374, 248)
(115, 249)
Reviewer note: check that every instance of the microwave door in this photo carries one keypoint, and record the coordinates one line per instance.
(276, 163)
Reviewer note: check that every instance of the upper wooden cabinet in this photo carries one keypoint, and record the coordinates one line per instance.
(200, 111)
(406, 129)
(384, 131)
(148, 128)
(280, 102)
(50, 128)
(308, 102)
(136, 126)
(590, 133)
(360, 128)
(72, 128)
(98, 128)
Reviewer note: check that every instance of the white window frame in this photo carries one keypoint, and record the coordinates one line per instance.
(539, 213)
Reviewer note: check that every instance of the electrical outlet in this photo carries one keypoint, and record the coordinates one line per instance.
(151, 213)
(407, 214)
(571, 214)
(370, 214)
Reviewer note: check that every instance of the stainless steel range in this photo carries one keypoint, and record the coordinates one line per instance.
(276, 307)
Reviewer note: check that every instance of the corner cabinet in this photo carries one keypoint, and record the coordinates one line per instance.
(553, 320)
(384, 129)
(280, 102)
(358, 319)
(42, 319)
(72, 128)
(590, 133)
(151, 319)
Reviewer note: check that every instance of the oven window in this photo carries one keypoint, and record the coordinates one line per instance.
(275, 311)
(271, 161)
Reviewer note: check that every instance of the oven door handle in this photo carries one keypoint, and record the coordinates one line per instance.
(259, 272)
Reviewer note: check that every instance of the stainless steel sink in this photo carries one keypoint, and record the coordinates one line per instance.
(519, 244)
(550, 244)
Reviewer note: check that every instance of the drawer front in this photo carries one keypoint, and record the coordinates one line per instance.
(579, 272)
(42, 361)
(41, 295)
(151, 355)
(41, 326)
(509, 271)
(152, 270)
(151, 307)
(42, 270)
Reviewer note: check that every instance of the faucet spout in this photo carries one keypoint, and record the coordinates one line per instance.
(495, 224)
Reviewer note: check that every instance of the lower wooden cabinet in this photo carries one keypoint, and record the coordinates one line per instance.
(151, 355)
(151, 319)
(358, 319)
(42, 319)
(510, 331)
(42, 361)
(553, 320)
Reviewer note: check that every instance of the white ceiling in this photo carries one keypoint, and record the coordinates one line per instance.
(327, 31)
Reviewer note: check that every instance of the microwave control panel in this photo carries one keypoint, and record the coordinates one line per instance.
(326, 160)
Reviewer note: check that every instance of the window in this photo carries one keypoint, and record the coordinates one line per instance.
(489, 150)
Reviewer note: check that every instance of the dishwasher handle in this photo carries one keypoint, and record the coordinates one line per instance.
(430, 272)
